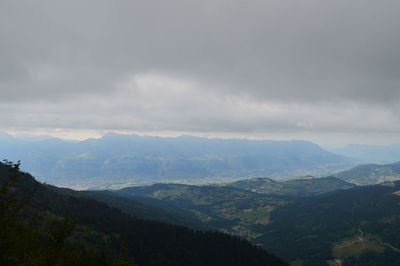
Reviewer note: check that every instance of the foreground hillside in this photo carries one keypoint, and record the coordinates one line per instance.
(140, 207)
(83, 231)
(370, 174)
(118, 160)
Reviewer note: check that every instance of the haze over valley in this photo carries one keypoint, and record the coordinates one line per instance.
(119, 160)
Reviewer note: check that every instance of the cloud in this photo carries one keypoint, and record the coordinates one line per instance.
(248, 67)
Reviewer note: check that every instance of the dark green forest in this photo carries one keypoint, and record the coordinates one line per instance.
(42, 227)
(359, 226)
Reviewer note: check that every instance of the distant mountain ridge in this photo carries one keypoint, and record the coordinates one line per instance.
(370, 174)
(300, 187)
(132, 159)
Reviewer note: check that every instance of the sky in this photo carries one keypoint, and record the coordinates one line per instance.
(320, 70)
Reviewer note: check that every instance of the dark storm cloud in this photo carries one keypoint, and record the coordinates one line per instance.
(227, 65)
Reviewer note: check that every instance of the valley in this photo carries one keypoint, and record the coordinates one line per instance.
(325, 225)
(348, 217)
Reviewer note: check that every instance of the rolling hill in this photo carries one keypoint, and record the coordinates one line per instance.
(370, 174)
(300, 187)
(234, 208)
(224, 208)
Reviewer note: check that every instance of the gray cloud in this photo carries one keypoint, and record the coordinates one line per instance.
(201, 66)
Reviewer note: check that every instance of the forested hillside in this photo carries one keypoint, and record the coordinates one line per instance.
(226, 208)
(359, 226)
(88, 232)
(370, 174)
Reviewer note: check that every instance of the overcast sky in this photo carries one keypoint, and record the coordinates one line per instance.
(322, 70)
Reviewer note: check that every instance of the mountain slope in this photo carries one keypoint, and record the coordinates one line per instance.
(225, 208)
(139, 207)
(370, 174)
(148, 242)
(120, 160)
(301, 187)
(358, 226)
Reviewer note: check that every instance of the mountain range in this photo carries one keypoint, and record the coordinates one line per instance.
(121, 160)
